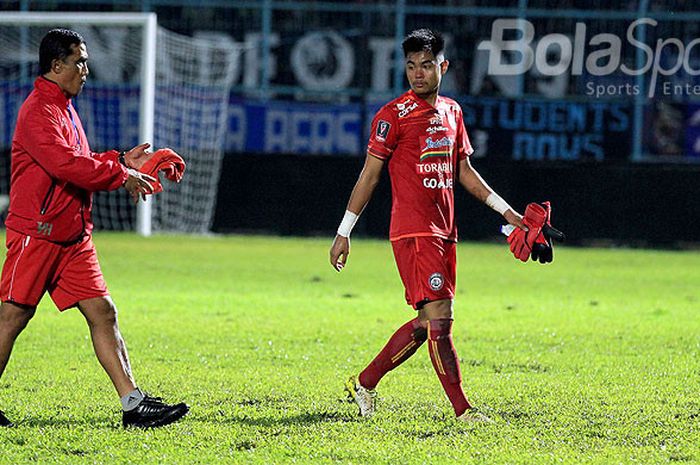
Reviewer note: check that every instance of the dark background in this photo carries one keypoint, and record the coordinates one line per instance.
(620, 203)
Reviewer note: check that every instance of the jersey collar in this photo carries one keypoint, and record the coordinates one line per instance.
(423, 102)
(51, 91)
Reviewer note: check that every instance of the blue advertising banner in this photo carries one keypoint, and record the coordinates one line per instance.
(291, 127)
(500, 128)
(548, 129)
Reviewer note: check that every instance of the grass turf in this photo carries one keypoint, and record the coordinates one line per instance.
(590, 360)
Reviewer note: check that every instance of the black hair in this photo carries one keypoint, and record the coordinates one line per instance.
(57, 45)
(423, 40)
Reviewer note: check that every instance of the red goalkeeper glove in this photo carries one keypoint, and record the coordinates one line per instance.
(516, 239)
(167, 161)
(521, 241)
(543, 250)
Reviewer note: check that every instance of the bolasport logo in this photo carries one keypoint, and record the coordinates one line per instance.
(511, 57)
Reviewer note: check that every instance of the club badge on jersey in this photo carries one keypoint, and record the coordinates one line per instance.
(436, 281)
(383, 128)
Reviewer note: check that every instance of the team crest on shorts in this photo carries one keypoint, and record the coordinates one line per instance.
(382, 130)
(436, 281)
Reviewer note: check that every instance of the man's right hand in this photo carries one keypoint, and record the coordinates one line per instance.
(138, 184)
(339, 252)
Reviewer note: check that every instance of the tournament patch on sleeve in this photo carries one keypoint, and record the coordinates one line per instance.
(382, 130)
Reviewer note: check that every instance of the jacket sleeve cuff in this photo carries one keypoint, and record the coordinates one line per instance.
(124, 176)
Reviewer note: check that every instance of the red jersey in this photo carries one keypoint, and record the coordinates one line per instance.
(423, 145)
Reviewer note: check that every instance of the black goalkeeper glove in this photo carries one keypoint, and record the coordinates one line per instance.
(542, 249)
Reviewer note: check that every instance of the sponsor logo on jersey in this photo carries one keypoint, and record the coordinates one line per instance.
(435, 129)
(402, 105)
(440, 183)
(436, 120)
(436, 281)
(382, 130)
(429, 168)
(406, 107)
(436, 144)
(436, 148)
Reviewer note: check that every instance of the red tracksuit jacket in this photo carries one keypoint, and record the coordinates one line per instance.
(53, 170)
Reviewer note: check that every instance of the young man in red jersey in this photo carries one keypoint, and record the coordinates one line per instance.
(421, 137)
(49, 224)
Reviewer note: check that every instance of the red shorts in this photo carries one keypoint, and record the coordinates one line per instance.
(428, 268)
(70, 273)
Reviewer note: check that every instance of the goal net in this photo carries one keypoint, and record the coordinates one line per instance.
(146, 84)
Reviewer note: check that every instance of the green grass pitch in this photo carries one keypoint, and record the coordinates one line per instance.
(594, 359)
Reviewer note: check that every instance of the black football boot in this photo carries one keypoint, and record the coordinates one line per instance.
(152, 412)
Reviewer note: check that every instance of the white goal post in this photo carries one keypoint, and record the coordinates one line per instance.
(149, 26)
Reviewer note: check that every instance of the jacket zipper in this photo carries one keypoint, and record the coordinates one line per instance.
(47, 199)
(82, 216)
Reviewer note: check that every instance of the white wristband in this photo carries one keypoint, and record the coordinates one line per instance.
(497, 203)
(348, 223)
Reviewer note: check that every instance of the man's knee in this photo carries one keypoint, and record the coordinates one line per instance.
(438, 309)
(15, 317)
(99, 311)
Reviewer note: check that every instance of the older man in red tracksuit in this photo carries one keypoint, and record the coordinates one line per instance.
(49, 225)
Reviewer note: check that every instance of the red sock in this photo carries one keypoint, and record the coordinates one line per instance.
(446, 364)
(402, 344)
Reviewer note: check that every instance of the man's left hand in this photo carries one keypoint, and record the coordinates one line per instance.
(136, 157)
(514, 218)
(521, 240)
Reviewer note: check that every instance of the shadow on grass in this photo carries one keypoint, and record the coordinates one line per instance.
(92, 422)
(308, 418)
